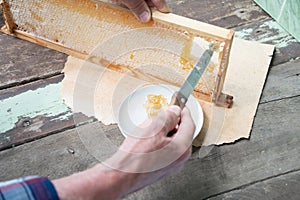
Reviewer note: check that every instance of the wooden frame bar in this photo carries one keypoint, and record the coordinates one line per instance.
(77, 27)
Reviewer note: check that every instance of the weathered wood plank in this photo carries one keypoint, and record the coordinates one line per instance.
(227, 13)
(22, 61)
(55, 156)
(270, 32)
(273, 149)
(283, 82)
(282, 187)
(32, 111)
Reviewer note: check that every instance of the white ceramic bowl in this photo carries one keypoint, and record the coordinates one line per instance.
(132, 111)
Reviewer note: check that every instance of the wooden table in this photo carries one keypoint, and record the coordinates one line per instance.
(38, 133)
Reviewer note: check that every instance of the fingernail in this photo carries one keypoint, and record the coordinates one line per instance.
(145, 16)
(175, 109)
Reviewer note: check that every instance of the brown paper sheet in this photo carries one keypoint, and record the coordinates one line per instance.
(97, 91)
(246, 75)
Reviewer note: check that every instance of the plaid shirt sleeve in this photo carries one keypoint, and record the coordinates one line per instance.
(28, 188)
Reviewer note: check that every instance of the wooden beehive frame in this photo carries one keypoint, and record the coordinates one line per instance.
(49, 23)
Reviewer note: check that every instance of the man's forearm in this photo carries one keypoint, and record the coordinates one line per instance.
(97, 182)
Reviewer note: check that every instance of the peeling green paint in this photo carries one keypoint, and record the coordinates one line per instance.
(245, 33)
(285, 12)
(280, 39)
(42, 101)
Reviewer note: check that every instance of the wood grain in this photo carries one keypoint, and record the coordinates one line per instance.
(55, 156)
(273, 149)
(32, 124)
(280, 187)
(243, 170)
(226, 13)
(270, 32)
(22, 61)
(283, 82)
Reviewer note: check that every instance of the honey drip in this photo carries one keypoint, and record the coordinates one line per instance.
(131, 56)
(154, 104)
(186, 58)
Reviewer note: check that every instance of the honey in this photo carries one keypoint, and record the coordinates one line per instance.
(186, 58)
(154, 104)
(131, 56)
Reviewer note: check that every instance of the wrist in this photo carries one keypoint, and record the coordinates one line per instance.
(112, 183)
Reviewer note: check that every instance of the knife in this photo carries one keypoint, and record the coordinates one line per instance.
(180, 97)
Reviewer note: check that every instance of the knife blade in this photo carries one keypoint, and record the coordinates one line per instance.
(180, 97)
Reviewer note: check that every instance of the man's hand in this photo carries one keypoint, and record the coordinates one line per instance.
(141, 8)
(150, 153)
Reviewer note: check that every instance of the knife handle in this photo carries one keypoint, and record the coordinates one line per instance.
(178, 99)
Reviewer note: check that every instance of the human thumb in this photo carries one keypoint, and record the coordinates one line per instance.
(139, 8)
